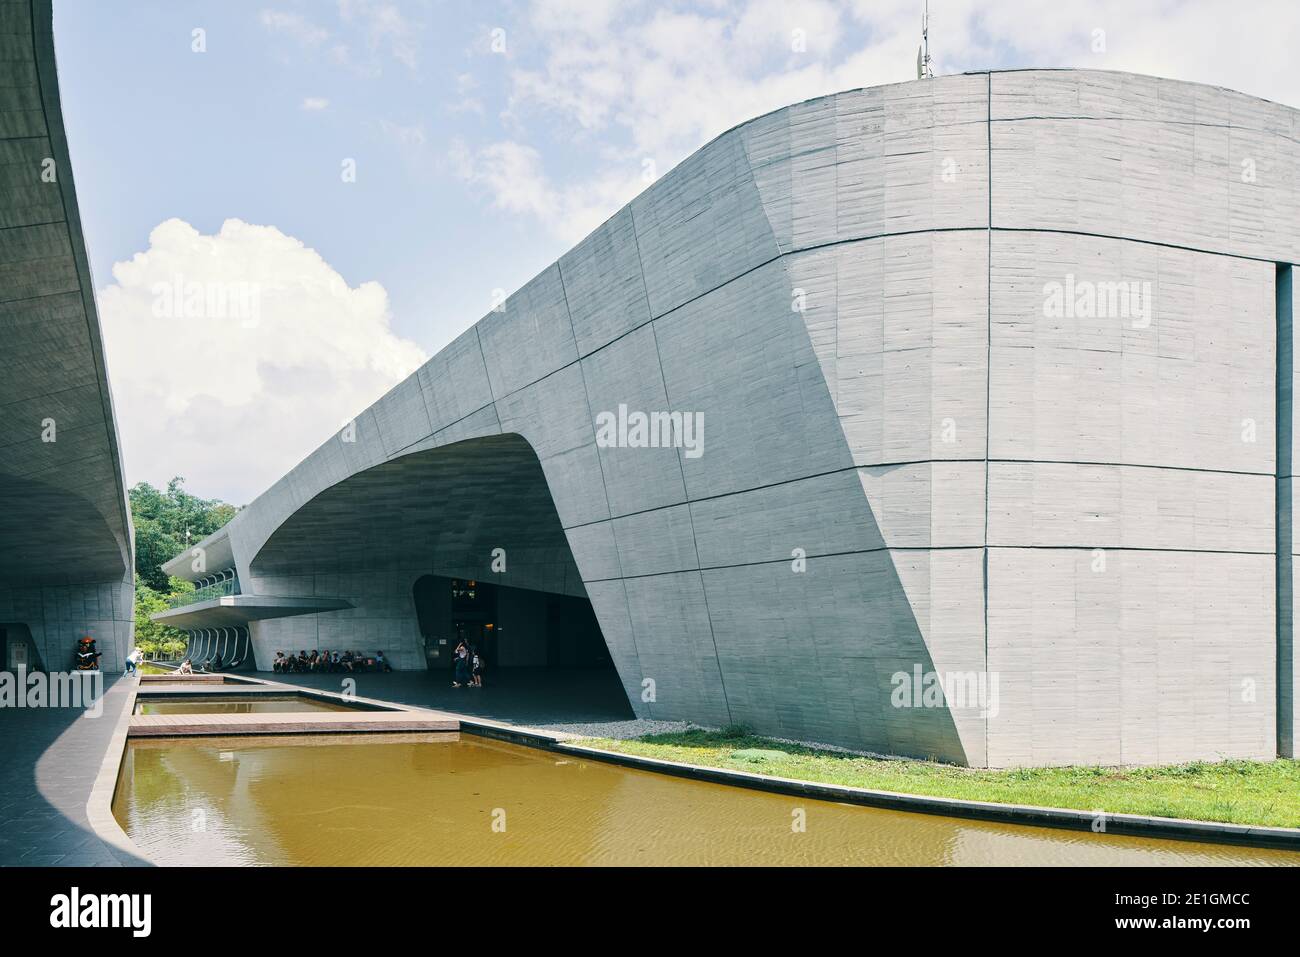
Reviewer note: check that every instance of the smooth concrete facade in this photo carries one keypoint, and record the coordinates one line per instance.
(66, 560)
(912, 461)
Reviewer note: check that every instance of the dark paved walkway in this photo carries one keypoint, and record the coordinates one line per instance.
(49, 759)
(528, 696)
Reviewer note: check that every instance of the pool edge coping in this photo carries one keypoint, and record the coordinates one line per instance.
(1113, 823)
(99, 805)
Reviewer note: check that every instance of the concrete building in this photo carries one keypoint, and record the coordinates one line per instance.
(66, 563)
(989, 378)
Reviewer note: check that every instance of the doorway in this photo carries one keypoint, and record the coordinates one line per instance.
(511, 628)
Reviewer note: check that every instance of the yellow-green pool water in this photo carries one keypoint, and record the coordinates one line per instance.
(420, 799)
(230, 704)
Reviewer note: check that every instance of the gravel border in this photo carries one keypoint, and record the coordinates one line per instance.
(638, 727)
(617, 730)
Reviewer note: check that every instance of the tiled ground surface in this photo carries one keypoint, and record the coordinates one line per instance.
(49, 758)
(528, 696)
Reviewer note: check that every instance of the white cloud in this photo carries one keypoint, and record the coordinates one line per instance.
(386, 27)
(467, 101)
(265, 353)
(380, 28)
(314, 104)
(408, 136)
(511, 172)
(295, 25)
(651, 89)
(658, 81)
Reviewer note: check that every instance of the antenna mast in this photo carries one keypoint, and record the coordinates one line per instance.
(923, 69)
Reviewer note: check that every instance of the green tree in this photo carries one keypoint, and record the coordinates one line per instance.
(154, 637)
(162, 517)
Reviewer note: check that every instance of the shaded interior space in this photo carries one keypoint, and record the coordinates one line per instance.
(443, 511)
(508, 627)
(431, 523)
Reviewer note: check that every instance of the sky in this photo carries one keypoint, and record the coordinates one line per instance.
(357, 179)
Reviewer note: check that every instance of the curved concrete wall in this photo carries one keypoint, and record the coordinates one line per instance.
(912, 462)
(66, 565)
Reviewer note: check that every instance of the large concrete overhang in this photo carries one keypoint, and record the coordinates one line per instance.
(63, 513)
(234, 610)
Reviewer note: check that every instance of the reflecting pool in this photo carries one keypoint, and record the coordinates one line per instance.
(448, 799)
(232, 704)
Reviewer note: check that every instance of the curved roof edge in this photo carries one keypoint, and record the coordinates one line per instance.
(252, 506)
(42, 12)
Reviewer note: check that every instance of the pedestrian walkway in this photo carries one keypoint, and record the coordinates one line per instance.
(48, 764)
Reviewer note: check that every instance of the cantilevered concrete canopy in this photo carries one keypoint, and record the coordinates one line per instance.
(65, 535)
(216, 555)
(915, 471)
(234, 610)
(437, 510)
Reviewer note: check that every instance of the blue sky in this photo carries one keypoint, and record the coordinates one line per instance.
(476, 166)
(158, 131)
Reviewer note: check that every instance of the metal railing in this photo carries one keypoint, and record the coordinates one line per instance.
(225, 582)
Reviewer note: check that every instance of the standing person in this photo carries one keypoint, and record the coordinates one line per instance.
(461, 674)
(476, 664)
(130, 662)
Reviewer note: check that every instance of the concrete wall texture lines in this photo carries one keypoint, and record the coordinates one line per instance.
(987, 368)
(66, 566)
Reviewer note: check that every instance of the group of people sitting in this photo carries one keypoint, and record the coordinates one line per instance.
(329, 661)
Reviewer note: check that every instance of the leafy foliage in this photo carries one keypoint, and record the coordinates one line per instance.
(161, 518)
(152, 637)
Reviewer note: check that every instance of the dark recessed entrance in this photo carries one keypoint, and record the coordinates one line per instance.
(510, 627)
